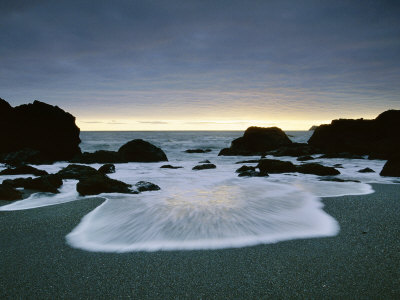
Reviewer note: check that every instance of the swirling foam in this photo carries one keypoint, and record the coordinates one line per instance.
(219, 215)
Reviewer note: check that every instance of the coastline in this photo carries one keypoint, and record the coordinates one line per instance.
(362, 261)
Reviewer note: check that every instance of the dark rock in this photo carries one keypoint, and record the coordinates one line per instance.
(377, 138)
(312, 128)
(8, 193)
(107, 169)
(100, 183)
(294, 149)
(141, 151)
(317, 169)
(100, 157)
(391, 167)
(338, 165)
(366, 170)
(341, 155)
(251, 173)
(251, 161)
(205, 162)
(41, 127)
(170, 167)
(337, 179)
(143, 186)
(245, 168)
(204, 166)
(257, 141)
(275, 166)
(305, 158)
(198, 150)
(23, 170)
(77, 172)
(47, 183)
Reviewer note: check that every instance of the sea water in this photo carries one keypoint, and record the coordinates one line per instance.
(207, 209)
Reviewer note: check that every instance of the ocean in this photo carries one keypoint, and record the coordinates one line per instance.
(207, 209)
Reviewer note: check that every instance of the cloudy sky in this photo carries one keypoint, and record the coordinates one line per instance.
(219, 65)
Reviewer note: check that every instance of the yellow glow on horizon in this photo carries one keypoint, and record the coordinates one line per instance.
(182, 125)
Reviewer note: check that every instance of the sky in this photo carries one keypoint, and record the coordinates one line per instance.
(202, 65)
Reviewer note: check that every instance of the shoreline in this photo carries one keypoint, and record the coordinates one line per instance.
(362, 261)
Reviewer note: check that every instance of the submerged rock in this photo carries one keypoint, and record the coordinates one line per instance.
(107, 169)
(23, 170)
(47, 183)
(204, 167)
(170, 167)
(366, 170)
(46, 130)
(275, 166)
(98, 184)
(9, 193)
(305, 158)
(377, 138)
(205, 162)
(257, 141)
(141, 151)
(143, 186)
(316, 169)
(198, 150)
(391, 167)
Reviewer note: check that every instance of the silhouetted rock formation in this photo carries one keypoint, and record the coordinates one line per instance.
(100, 183)
(391, 167)
(44, 133)
(275, 166)
(141, 151)
(23, 170)
(378, 138)
(47, 183)
(313, 127)
(257, 141)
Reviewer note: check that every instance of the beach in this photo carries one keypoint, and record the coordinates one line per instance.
(362, 261)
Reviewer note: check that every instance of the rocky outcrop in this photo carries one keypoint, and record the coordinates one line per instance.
(23, 170)
(275, 166)
(47, 183)
(9, 193)
(46, 133)
(204, 167)
(100, 183)
(141, 151)
(107, 169)
(257, 141)
(391, 167)
(377, 138)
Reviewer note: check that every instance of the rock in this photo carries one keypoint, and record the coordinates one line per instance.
(337, 179)
(107, 169)
(316, 169)
(377, 138)
(205, 162)
(391, 167)
(257, 141)
(342, 155)
(100, 157)
(8, 193)
(23, 170)
(141, 151)
(312, 128)
(143, 186)
(100, 183)
(305, 158)
(275, 166)
(170, 167)
(251, 173)
(47, 183)
(245, 168)
(45, 129)
(294, 149)
(204, 166)
(78, 172)
(366, 170)
(198, 150)
(251, 161)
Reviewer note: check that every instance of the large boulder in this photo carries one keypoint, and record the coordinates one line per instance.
(141, 151)
(257, 141)
(23, 170)
(275, 166)
(40, 127)
(46, 183)
(100, 183)
(9, 193)
(391, 167)
(378, 138)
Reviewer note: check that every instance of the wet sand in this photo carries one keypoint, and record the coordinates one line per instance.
(362, 261)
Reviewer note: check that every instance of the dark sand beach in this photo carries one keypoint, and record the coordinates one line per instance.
(362, 262)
